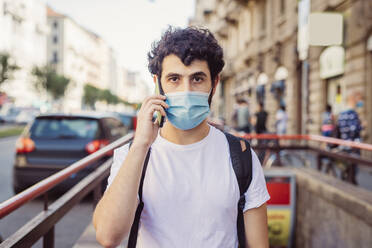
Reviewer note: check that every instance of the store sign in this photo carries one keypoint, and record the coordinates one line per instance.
(281, 207)
(332, 62)
(325, 29)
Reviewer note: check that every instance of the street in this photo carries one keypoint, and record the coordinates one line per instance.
(67, 231)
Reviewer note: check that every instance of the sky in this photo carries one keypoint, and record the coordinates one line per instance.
(128, 26)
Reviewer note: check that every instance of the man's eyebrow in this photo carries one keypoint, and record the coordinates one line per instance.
(199, 73)
(172, 74)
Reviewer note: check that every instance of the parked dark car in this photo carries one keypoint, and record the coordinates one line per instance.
(54, 141)
(129, 120)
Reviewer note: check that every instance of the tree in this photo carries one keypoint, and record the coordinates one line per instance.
(47, 79)
(7, 68)
(91, 95)
(108, 97)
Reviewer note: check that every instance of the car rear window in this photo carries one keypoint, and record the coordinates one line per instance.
(64, 128)
(127, 120)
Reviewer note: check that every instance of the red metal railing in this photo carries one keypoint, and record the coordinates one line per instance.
(318, 138)
(45, 185)
(30, 235)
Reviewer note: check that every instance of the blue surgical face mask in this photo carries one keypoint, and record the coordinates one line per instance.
(187, 109)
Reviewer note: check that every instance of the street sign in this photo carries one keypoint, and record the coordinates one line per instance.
(281, 185)
(303, 28)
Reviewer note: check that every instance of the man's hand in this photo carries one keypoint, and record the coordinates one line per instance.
(147, 130)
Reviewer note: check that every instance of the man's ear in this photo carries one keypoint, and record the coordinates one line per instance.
(155, 78)
(216, 81)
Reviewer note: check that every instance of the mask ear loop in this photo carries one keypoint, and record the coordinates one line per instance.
(210, 97)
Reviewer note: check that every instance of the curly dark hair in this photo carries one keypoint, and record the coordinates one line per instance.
(188, 44)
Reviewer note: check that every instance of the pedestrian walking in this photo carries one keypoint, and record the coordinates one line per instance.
(176, 186)
(281, 120)
(261, 119)
(243, 116)
(328, 122)
(349, 128)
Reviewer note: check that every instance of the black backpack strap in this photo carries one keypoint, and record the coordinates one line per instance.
(241, 159)
(135, 226)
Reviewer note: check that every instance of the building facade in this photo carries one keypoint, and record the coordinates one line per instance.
(259, 38)
(338, 71)
(24, 30)
(80, 55)
(134, 88)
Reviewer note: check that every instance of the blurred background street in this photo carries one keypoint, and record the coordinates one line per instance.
(297, 83)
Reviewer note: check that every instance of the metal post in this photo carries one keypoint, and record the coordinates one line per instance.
(46, 201)
(48, 240)
(304, 93)
(351, 174)
(319, 161)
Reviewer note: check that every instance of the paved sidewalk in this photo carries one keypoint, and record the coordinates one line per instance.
(88, 239)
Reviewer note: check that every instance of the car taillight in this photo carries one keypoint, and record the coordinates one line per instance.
(95, 145)
(25, 145)
(134, 121)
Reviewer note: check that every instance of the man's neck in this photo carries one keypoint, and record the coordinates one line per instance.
(184, 137)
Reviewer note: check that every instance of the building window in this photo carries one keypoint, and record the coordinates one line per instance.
(55, 39)
(55, 57)
(282, 7)
(55, 24)
(278, 90)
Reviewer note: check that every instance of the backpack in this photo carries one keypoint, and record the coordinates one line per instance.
(241, 159)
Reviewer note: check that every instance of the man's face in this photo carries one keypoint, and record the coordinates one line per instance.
(177, 77)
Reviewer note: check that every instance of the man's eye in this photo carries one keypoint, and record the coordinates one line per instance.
(173, 79)
(198, 79)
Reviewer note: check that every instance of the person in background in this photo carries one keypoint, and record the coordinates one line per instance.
(349, 124)
(281, 120)
(349, 128)
(328, 122)
(328, 129)
(260, 127)
(261, 119)
(243, 116)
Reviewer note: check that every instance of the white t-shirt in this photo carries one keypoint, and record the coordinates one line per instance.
(191, 193)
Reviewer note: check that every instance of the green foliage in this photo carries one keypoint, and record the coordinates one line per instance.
(109, 98)
(47, 79)
(93, 94)
(7, 68)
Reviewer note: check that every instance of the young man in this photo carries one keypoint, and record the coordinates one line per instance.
(190, 190)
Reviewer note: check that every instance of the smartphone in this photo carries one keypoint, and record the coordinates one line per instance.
(159, 91)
